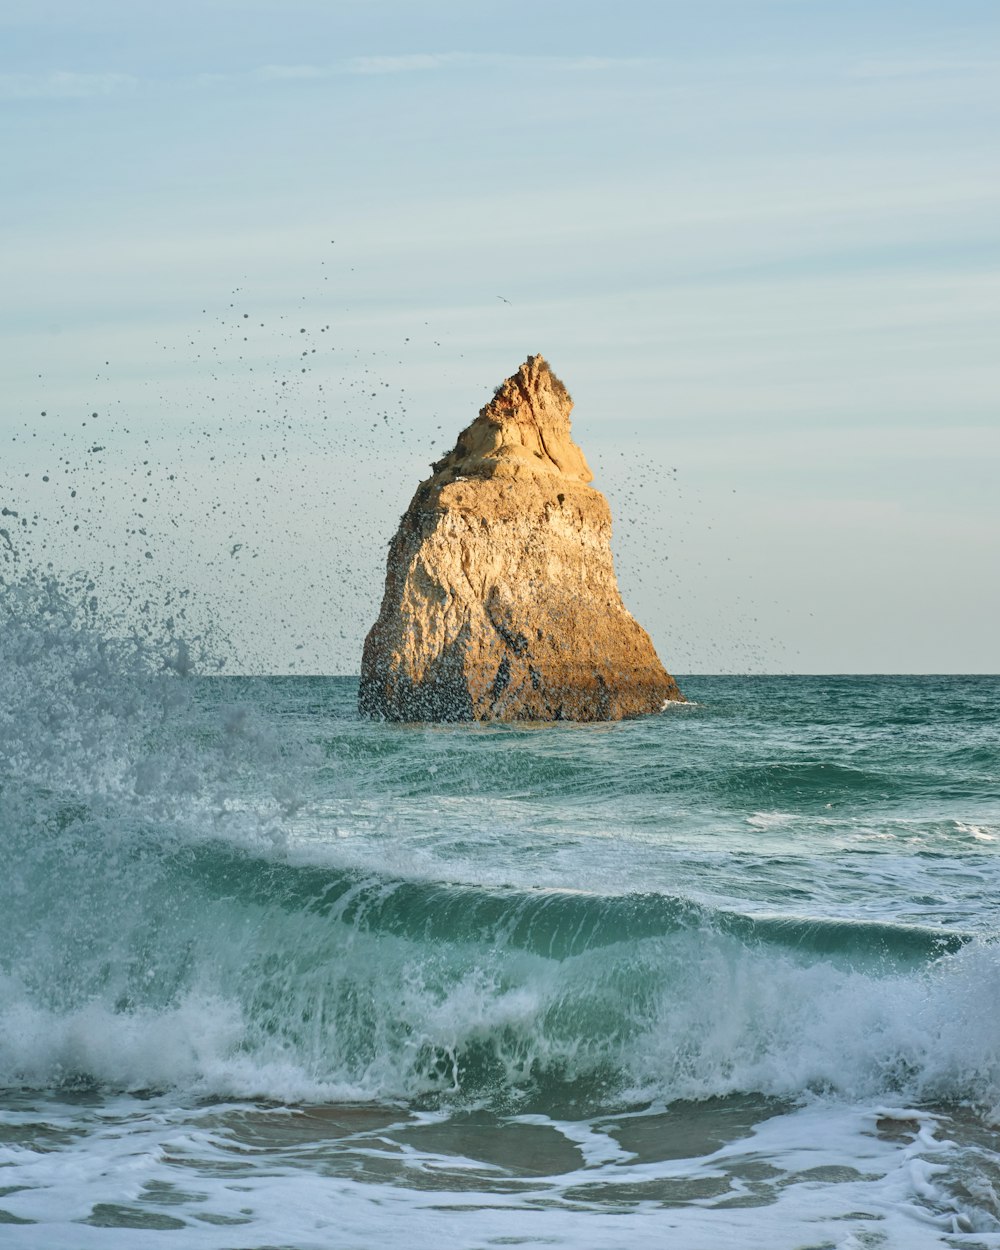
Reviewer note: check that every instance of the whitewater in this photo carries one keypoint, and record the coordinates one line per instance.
(272, 975)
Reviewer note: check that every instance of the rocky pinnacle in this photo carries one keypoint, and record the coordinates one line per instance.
(501, 601)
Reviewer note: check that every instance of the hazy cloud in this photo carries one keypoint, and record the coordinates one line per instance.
(405, 64)
(62, 85)
(926, 67)
(441, 60)
(67, 85)
(282, 73)
(423, 62)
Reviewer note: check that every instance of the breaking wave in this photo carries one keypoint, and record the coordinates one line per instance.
(161, 930)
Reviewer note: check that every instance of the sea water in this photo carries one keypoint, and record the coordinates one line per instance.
(275, 976)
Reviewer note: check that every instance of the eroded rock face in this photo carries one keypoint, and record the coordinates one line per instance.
(501, 601)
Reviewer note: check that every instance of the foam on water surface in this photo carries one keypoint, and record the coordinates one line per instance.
(730, 1173)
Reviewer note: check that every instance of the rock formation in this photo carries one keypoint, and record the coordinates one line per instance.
(501, 601)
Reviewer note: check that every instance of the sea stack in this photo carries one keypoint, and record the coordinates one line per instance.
(501, 602)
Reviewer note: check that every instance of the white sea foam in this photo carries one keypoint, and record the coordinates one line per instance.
(840, 1176)
(771, 820)
(981, 833)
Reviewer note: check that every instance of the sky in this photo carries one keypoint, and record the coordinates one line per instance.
(284, 251)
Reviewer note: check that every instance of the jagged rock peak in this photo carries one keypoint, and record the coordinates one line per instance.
(524, 426)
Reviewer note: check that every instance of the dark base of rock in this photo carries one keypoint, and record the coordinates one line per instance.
(575, 693)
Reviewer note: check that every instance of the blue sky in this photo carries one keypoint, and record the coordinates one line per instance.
(757, 240)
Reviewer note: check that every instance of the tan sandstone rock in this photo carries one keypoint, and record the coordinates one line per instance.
(501, 601)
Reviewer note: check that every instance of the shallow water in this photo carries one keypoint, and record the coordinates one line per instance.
(274, 976)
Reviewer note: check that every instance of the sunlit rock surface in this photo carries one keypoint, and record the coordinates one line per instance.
(501, 601)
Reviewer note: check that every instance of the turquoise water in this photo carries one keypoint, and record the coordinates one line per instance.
(274, 975)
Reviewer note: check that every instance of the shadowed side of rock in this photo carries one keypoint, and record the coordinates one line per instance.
(501, 601)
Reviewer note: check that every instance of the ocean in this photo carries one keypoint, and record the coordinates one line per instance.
(273, 976)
